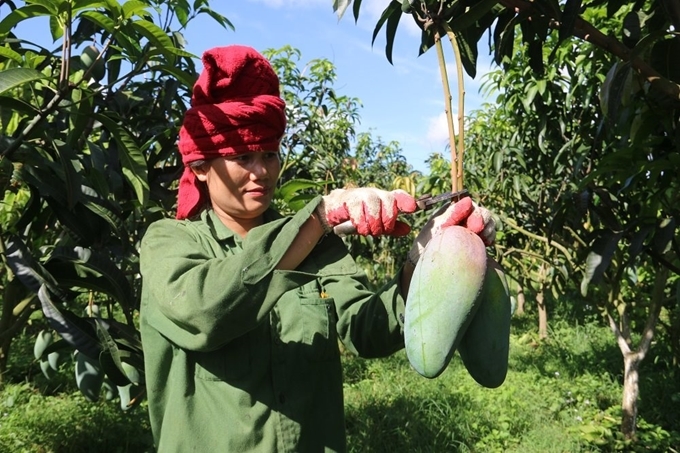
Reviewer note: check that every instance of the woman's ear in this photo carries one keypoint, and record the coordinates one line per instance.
(201, 171)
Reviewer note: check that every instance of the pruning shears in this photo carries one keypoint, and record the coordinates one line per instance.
(423, 203)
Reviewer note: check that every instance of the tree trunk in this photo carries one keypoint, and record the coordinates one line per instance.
(542, 315)
(631, 392)
(633, 358)
(520, 301)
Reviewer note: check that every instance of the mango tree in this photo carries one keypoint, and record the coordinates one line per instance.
(628, 195)
(87, 143)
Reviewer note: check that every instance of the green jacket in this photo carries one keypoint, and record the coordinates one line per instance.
(241, 357)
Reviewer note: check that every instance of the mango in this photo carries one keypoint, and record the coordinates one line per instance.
(89, 377)
(443, 298)
(91, 61)
(486, 343)
(42, 341)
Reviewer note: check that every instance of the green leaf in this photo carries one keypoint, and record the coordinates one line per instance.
(17, 105)
(159, 39)
(78, 332)
(355, 9)
(131, 157)
(100, 19)
(290, 188)
(15, 77)
(86, 227)
(504, 36)
(105, 209)
(663, 58)
(78, 5)
(530, 94)
(186, 78)
(182, 13)
(56, 28)
(601, 253)
(498, 160)
(393, 8)
(133, 7)
(82, 108)
(664, 235)
(30, 272)
(72, 178)
(52, 6)
(614, 88)
(110, 357)
(114, 282)
(21, 14)
(468, 54)
(638, 241)
(220, 19)
(10, 54)
(390, 32)
(472, 15)
(30, 211)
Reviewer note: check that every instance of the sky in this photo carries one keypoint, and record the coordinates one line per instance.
(403, 102)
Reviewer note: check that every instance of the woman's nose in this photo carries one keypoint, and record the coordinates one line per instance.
(258, 169)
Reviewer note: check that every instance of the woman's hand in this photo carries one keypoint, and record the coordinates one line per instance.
(371, 211)
(464, 213)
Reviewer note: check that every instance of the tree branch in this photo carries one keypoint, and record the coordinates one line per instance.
(587, 32)
(654, 311)
(623, 345)
(558, 246)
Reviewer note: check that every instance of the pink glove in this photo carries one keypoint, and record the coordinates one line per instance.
(464, 213)
(373, 212)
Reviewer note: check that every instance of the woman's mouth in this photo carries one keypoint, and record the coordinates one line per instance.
(260, 192)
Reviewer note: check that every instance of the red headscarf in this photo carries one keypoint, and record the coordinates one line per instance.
(235, 108)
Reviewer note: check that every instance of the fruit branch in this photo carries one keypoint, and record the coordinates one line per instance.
(435, 21)
(461, 107)
(449, 113)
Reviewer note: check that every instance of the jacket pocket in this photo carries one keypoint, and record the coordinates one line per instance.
(318, 319)
(229, 363)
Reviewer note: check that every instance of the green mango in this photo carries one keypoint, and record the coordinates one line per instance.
(133, 375)
(46, 369)
(109, 389)
(486, 343)
(89, 60)
(89, 377)
(53, 360)
(130, 396)
(42, 341)
(443, 298)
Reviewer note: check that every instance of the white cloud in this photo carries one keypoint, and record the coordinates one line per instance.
(437, 134)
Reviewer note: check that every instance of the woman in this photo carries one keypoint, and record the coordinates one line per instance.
(242, 308)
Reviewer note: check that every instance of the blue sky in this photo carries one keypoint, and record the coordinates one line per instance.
(402, 102)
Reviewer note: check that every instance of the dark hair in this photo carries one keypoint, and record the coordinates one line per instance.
(196, 163)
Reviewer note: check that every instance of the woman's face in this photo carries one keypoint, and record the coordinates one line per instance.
(241, 187)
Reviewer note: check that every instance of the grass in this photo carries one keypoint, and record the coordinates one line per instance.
(561, 395)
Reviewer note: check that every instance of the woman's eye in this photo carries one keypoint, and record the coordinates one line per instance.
(270, 156)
